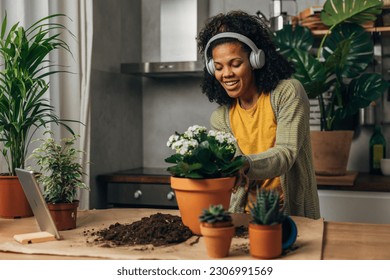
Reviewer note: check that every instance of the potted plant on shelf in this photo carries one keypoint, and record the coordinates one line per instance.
(217, 228)
(23, 105)
(265, 227)
(336, 75)
(61, 175)
(204, 171)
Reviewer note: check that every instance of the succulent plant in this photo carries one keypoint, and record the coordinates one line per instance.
(215, 214)
(266, 208)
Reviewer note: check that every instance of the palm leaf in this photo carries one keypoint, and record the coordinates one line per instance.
(22, 106)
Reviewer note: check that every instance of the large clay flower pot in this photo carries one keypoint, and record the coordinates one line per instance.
(64, 214)
(330, 151)
(13, 201)
(217, 239)
(194, 195)
(265, 242)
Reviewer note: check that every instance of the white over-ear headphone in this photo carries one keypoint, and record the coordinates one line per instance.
(256, 57)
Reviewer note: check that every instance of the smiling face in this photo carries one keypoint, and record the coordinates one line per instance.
(234, 72)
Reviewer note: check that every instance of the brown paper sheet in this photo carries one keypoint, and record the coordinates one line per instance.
(74, 242)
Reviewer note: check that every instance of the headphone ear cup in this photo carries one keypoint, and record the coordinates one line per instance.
(210, 67)
(257, 59)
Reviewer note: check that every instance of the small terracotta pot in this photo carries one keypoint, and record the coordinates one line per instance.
(194, 195)
(217, 239)
(265, 242)
(64, 214)
(13, 201)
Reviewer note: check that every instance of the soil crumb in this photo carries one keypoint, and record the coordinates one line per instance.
(158, 230)
(241, 232)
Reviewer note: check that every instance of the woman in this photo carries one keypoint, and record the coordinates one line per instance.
(266, 110)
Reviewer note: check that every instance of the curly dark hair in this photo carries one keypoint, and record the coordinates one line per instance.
(276, 67)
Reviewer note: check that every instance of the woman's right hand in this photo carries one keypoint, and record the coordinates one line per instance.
(242, 179)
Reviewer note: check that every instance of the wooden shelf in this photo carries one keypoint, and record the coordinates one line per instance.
(322, 32)
(363, 182)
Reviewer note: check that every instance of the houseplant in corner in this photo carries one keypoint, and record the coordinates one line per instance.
(265, 227)
(61, 175)
(336, 73)
(203, 172)
(24, 108)
(217, 229)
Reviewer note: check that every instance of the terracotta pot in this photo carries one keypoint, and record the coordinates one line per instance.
(217, 239)
(64, 214)
(330, 151)
(13, 201)
(265, 242)
(194, 195)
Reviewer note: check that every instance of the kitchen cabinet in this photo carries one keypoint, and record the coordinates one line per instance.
(139, 187)
(355, 206)
(366, 199)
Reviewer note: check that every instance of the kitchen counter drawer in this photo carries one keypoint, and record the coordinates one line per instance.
(142, 195)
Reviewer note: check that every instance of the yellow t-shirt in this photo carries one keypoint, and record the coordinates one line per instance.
(255, 131)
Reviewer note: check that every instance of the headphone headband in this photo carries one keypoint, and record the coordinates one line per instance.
(256, 57)
(233, 35)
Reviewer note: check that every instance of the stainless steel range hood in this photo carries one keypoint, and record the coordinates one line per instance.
(174, 47)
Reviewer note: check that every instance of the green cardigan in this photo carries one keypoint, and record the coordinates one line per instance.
(290, 158)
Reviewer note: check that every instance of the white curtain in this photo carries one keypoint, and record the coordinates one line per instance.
(68, 92)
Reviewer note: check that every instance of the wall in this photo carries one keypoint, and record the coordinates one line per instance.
(116, 111)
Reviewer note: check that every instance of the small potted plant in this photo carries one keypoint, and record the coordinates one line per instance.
(203, 172)
(265, 228)
(217, 229)
(61, 175)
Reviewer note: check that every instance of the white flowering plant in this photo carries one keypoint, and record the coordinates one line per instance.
(203, 154)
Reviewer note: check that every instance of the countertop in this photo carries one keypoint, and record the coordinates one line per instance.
(352, 241)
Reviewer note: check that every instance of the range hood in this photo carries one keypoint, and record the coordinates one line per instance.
(175, 50)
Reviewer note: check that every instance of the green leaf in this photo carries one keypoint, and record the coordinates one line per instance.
(348, 50)
(310, 72)
(175, 158)
(364, 90)
(233, 166)
(203, 155)
(358, 11)
(289, 39)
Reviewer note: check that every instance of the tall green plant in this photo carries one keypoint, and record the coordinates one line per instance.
(23, 107)
(338, 70)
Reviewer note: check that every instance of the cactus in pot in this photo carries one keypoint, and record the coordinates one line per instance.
(265, 228)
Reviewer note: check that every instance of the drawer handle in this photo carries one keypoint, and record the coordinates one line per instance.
(137, 194)
(171, 195)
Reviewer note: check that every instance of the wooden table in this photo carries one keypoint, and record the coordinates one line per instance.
(350, 241)
(354, 241)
